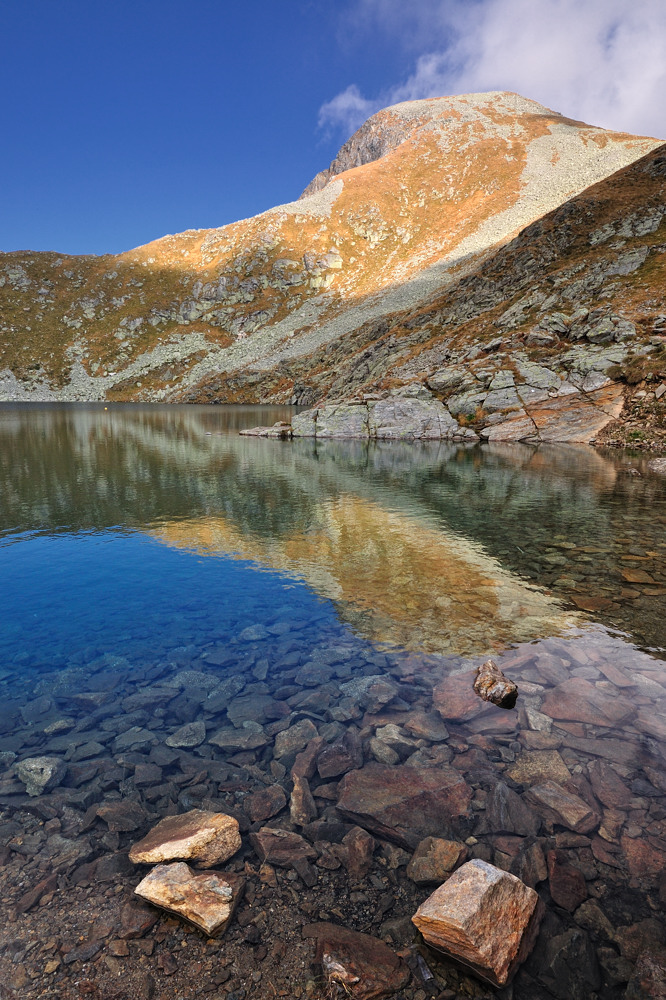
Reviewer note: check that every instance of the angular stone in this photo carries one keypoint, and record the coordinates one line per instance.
(355, 964)
(280, 847)
(302, 808)
(434, 859)
(567, 884)
(648, 981)
(40, 774)
(569, 966)
(192, 734)
(491, 685)
(342, 756)
(205, 837)
(356, 852)
(372, 693)
(205, 899)
(123, 816)
(608, 786)
(483, 917)
(305, 765)
(404, 804)
(506, 812)
(563, 807)
(426, 725)
(576, 700)
(249, 737)
(294, 739)
(265, 803)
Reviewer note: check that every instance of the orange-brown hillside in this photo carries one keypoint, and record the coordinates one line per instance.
(396, 260)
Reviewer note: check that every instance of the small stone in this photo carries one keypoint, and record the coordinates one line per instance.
(280, 847)
(135, 921)
(205, 837)
(434, 859)
(483, 917)
(122, 816)
(192, 734)
(40, 774)
(356, 852)
(265, 803)
(205, 899)
(491, 685)
(355, 964)
(563, 807)
(302, 808)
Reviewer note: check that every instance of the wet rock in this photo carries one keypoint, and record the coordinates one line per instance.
(302, 808)
(577, 700)
(291, 740)
(205, 837)
(560, 806)
(135, 921)
(356, 964)
(305, 764)
(529, 865)
(281, 847)
(251, 736)
(483, 917)
(657, 464)
(566, 883)
(491, 685)
(404, 804)
(434, 859)
(265, 803)
(507, 812)
(205, 899)
(192, 734)
(342, 756)
(372, 693)
(539, 765)
(123, 816)
(454, 697)
(569, 967)
(426, 725)
(40, 774)
(355, 852)
(608, 786)
(648, 981)
(592, 919)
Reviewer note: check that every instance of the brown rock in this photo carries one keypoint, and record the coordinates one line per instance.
(454, 697)
(642, 857)
(342, 756)
(649, 979)
(491, 685)
(124, 816)
(205, 899)
(358, 965)
(302, 808)
(434, 859)
(539, 765)
(576, 700)
(404, 804)
(33, 896)
(567, 884)
(305, 765)
(355, 852)
(280, 847)
(135, 921)
(563, 807)
(265, 803)
(426, 725)
(608, 786)
(483, 917)
(205, 837)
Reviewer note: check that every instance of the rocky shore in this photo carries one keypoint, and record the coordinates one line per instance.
(321, 793)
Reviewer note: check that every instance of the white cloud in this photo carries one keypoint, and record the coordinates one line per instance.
(601, 61)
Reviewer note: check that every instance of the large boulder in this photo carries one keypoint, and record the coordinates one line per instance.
(483, 917)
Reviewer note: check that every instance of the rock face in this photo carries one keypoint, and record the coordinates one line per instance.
(491, 685)
(206, 899)
(404, 804)
(483, 917)
(358, 965)
(204, 837)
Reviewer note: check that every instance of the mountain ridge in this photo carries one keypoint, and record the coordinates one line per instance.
(422, 198)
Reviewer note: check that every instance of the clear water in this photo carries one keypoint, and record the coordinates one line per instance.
(140, 542)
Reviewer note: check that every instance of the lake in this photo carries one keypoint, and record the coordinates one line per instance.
(185, 610)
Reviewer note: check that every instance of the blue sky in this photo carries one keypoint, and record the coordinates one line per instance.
(122, 121)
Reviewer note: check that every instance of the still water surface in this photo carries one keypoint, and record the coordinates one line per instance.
(147, 549)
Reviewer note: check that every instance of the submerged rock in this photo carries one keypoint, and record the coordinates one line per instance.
(491, 685)
(281, 847)
(483, 917)
(40, 774)
(434, 859)
(205, 837)
(404, 804)
(206, 899)
(358, 965)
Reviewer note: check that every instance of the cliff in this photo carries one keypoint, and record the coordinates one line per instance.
(450, 245)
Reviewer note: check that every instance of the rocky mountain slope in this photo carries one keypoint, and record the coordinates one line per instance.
(479, 255)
